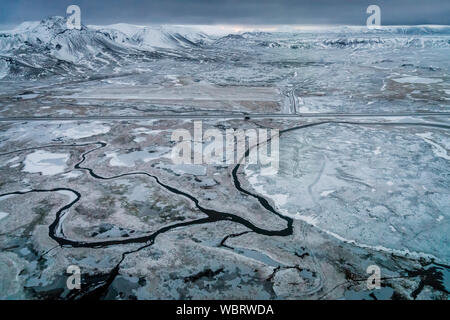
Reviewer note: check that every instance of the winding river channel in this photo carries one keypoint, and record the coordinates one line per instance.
(56, 230)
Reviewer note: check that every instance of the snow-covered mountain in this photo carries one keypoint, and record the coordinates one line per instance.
(316, 36)
(152, 37)
(36, 49)
(48, 47)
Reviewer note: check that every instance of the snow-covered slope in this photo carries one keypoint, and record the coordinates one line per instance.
(36, 49)
(48, 47)
(304, 37)
(150, 37)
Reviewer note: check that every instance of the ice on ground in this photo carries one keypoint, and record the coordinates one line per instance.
(201, 91)
(72, 174)
(44, 132)
(3, 215)
(139, 193)
(193, 169)
(326, 193)
(130, 159)
(371, 193)
(280, 199)
(415, 79)
(139, 139)
(320, 104)
(438, 150)
(72, 196)
(28, 96)
(45, 162)
(11, 162)
(143, 130)
(377, 151)
(82, 130)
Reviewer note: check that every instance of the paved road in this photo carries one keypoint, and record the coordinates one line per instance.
(229, 116)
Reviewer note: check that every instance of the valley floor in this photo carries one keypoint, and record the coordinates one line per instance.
(87, 177)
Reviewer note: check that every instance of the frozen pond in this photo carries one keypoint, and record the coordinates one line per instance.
(45, 162)
(381, 187)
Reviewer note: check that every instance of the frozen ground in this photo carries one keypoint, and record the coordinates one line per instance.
(363, 179)
(374, 185)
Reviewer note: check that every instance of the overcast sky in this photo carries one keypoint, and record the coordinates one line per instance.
(352, 12)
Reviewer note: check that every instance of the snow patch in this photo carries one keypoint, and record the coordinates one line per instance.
(438, 150)
(45, 162)
(80, 131)
(377, 151)
(72, 174)
(326, 193)
(3, 215)
(130, 159)
(415, 79)
(192, 169)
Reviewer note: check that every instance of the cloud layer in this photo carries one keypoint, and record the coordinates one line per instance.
(394, 12)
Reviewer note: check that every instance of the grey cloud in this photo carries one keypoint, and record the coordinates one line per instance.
(231, 11)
